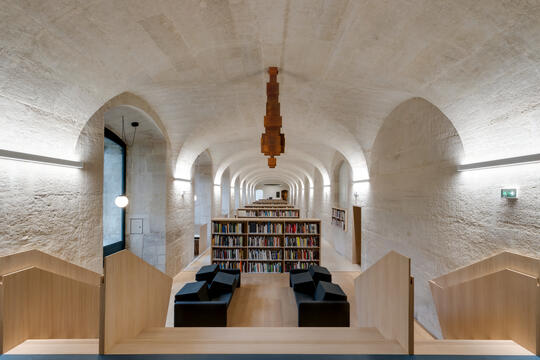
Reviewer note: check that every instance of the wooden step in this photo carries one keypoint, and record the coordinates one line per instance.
(56, 346)
(258, 341)
(469, 347)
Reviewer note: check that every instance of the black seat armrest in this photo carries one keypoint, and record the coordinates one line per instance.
(200, 313)
(324, 313)
(295, 271)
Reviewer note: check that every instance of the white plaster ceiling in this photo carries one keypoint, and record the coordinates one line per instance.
(344, 65)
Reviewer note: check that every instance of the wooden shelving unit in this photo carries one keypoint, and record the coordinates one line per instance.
(266, 212)
(269, 206)
(266, 244)
(339, 218)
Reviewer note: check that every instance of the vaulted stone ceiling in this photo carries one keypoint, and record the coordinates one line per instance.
(344, 65)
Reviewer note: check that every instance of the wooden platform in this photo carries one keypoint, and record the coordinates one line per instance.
(258, 340)
(267, 340)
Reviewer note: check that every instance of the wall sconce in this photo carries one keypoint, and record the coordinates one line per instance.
(194, 197)
(14, 155)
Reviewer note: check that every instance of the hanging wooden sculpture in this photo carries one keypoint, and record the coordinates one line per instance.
(272, 141)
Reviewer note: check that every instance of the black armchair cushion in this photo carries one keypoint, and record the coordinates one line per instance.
(207, 273)
(222, 283)
(319, 273)
(329, 291)
(194, 291)
(295, 271)
(303, 282)
(235, 272)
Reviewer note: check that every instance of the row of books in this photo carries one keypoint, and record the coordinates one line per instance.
(338, 222)
(268, 213)
(338, 214)
(234, 228)
(266, 228)
(229, 254)
(264, 241)
(230, 265)
(298, 265)
(304, 228)
(260, 254)
(303, 241)
(264, 267)
(220, 240)
(302, 254)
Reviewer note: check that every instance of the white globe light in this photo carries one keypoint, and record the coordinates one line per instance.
(121, 201)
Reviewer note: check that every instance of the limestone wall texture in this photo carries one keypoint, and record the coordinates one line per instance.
(55, 209)
(420, 206)
(146, 189)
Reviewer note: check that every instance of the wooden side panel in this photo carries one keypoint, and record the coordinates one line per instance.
(357, 235)
(384, 299)
(36, 258)
(501, 261)
(498, 306)
(203, 241)
(38, 304)
(136, 297)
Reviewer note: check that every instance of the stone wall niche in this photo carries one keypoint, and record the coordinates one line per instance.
(411, 205)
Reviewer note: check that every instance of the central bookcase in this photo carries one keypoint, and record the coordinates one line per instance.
(266, 245)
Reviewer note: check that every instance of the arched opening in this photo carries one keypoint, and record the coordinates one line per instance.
(144, 185)
(202, 182)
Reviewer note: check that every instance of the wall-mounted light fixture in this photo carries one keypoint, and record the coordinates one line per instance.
(361, 181)
(19, 156)
(121, 201)
(180, 179)
(513, 161)
(194, 197)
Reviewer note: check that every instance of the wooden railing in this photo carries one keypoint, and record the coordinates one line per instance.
(43, 297)
(136, 297)
(496, 298)
(385, 299)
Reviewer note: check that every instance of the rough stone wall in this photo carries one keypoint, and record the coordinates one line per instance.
(55, 209)
(146, 189)
(418, 205)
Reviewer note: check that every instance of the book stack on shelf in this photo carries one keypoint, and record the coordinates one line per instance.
(267, 212)
(266, 245)
(269, 206)
(339, 218)
(228, 244)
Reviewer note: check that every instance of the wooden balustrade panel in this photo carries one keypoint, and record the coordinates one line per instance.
(136, 297)
(39, 304)
(497, 306)
(385, 299)
(44, 261)
(498, 262)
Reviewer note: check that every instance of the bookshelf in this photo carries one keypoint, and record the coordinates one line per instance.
(271, 201)
(268, 212)
(339, 218)
(269, 245)
(269, 206)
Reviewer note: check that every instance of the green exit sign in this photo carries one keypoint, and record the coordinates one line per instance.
(509, 193)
